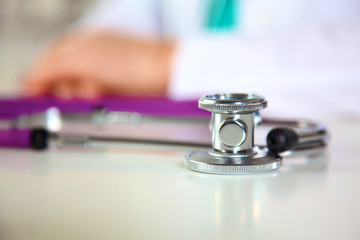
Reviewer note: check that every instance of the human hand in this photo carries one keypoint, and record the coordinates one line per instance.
(89, 65)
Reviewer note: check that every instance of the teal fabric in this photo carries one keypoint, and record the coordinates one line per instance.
(223, 15)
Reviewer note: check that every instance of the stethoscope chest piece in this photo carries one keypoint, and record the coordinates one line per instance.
(233, 150)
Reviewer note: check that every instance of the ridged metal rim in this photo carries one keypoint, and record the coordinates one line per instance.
(204, 161)
(232, 102)
(231, 169)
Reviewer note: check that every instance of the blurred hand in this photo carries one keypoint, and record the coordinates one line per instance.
(90, 65)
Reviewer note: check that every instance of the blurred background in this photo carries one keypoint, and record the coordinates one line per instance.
(24, 27)
(286, 49)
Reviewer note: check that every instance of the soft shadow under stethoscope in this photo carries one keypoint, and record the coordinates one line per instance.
(238, 200)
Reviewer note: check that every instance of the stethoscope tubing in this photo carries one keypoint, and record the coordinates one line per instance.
(289, 137)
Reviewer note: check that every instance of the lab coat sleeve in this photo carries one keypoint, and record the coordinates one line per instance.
(321, 63)
(131, 16)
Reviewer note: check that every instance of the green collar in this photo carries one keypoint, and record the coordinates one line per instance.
(222, 15)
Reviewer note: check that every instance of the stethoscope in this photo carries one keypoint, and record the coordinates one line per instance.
(234, 117)
(232, 149)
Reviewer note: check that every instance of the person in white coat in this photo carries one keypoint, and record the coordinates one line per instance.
(298, 52)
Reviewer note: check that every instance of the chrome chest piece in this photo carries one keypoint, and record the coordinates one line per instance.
(233, 150)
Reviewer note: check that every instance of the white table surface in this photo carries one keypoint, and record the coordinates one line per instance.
(145, 192)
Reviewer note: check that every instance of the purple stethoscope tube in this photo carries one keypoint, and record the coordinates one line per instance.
(14, 108)
(162, 107)
(16, 138)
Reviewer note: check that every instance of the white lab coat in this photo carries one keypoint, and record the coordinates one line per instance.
(303, 55)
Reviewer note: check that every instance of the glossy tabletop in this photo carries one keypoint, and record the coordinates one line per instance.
(145, 192)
